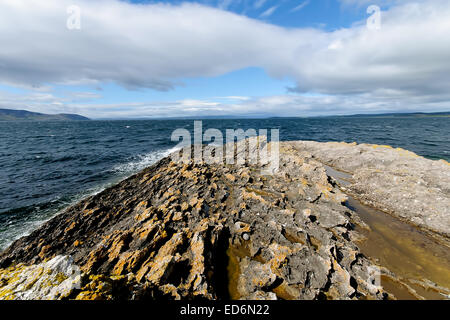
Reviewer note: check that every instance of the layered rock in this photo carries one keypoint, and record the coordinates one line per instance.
(193, 230)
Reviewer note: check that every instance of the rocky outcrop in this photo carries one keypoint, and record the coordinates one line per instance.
(394, 180)
(192, 230)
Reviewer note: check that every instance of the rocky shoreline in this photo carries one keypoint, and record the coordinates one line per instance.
(188, 231)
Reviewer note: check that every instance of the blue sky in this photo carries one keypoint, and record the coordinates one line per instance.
(326, 14)
(144, 59)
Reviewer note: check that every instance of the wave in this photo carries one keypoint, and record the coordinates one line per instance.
(20, 222)
(142, 161)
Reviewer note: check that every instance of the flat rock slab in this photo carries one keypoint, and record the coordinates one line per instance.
(396, 181)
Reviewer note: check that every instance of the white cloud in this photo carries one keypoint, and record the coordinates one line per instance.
(281, 105)
(268, 12)
(84, 95)
(409, 54)
(300, 6)
(155, 46)
(134, 46)
(239, 98)
(259, 3)
(224, 4)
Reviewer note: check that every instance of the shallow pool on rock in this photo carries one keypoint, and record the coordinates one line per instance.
(420, 262)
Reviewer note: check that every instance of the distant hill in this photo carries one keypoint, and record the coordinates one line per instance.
(401, 115)
(268, 116)
(14, 115)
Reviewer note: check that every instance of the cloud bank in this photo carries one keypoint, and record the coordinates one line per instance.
(157, 45)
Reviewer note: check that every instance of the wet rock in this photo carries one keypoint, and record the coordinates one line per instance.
(394, 180)
(255, 276)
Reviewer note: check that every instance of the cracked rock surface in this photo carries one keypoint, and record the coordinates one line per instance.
(211, 231)
(394, 180)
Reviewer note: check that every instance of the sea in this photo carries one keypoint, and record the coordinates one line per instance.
(48, 166)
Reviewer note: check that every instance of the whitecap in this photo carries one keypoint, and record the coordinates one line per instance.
(142, 161)
(19, 228)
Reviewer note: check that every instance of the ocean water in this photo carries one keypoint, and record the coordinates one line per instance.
(47, 166)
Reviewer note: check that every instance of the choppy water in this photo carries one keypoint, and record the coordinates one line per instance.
(46, 166)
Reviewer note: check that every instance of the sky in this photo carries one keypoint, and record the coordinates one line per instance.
(112, 59)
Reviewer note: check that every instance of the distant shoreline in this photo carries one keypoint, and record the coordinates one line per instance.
(260, 117)
(24, 115)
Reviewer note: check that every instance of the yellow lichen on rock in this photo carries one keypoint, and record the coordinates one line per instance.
(252, 196)
(100, 287)
(375, 146)
(230, 177)
(53, 279)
